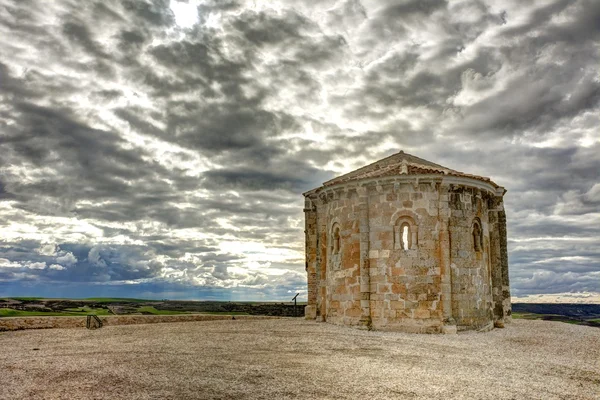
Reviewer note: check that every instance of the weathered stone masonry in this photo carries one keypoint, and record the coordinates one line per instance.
(405, 244)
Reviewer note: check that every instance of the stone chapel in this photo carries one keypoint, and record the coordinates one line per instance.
(408, 245)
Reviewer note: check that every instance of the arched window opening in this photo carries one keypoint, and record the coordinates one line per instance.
(336, 240)
(476, 236)
(405, 234)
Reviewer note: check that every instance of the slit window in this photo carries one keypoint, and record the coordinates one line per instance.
(336, 240)
(476, 236)
(405, 234)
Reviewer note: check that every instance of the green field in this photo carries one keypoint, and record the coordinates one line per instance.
(82, 311)
(224, 313)
(9, 312)
(518, 315)
(116, 300)
(23, 298)
(555, 317)
(154, 311)
(94, 299)
(88, 310)
(32, 306)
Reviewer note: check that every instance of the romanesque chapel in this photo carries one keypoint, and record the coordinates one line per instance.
(405, 244)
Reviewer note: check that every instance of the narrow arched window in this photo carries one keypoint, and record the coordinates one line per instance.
(336, 240)
(476, 236)
(405, 234)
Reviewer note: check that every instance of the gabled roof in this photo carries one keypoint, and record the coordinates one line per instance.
(401, 164)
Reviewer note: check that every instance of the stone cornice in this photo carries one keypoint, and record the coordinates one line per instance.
(444, 180)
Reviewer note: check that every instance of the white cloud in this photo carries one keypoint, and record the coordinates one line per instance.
(94, 257)
(48, 249)
(35, 265)
(67, 259)
(594, 193)
(4, 263)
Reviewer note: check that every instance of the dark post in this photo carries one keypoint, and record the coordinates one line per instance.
(295, 308)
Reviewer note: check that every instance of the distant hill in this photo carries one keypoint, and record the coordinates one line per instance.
(578, 311)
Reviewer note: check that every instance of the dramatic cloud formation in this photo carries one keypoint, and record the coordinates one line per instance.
(160, 149)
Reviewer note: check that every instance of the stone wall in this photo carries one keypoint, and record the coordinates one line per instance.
(341, 258)
(19, 323)
(405, 284)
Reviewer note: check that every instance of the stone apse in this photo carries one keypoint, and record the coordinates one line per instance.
(408, 245)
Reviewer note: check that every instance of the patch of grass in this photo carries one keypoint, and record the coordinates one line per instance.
(553, 317)
(223, 313)
(27, 298)
(88, 310)
(574, 322)
(152, 310)
(10, 312)
(525, 315)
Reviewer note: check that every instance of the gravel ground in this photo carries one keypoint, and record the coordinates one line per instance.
(293, 358)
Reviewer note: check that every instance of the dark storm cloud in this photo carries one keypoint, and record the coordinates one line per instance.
(237, 120)
(218, 128)
(3, 193)
(175, 146)
(405, 9)
(291, 175)
(131, 40)
(104, 12)
(536, 103)
(209, 6)
(391, 17)
(100, 168)
(263, 29)
(108, 94)
(77, 162)
(252, 180)
(269, 30)
(557, 79)
(154, 12)
(10, 86)
(238, 124)
(78, 34)
(584, 25)
(201, 58)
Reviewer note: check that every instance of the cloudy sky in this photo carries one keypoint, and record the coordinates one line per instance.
(159, 149)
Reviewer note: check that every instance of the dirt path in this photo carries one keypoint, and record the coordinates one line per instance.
(292, 358)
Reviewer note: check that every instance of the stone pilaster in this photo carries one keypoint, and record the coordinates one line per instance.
(506, 303)
(310, 231)
(321, 269)
(444, 256)
(365, 294)
(499, 259)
